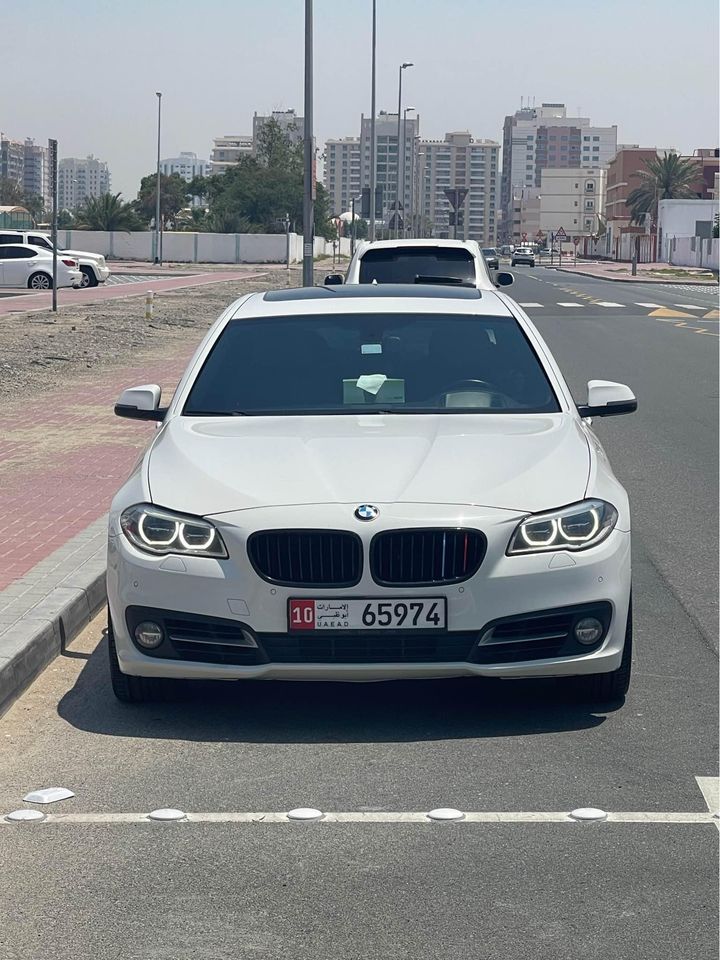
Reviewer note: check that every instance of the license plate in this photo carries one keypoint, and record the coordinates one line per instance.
(402, 614)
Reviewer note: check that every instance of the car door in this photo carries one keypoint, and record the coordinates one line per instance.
(18, 264)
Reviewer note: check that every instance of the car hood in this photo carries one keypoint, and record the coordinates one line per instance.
(519, 463)
(84, 255)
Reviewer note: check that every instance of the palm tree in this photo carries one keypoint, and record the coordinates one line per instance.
(665, 178)
(107, 212)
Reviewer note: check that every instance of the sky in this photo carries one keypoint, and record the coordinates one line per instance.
(649, 66)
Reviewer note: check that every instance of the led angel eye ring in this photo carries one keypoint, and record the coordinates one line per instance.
(148, 540)
(540, 543)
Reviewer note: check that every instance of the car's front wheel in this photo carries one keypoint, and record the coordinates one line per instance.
(88, 277)
(613, 685)
(134, 689)
(40, 281)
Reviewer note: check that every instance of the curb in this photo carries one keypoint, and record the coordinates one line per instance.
(37, 627)
(638, 279)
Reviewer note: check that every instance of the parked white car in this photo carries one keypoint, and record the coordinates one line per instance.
(92, 265)
(23, 265)
(370, 482)
(457, 262)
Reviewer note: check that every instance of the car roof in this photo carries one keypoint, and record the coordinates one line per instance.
(364, 297)
(425, 242)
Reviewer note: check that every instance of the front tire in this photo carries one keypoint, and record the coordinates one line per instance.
(40, 281)
(129, 689)
(614, 685)
(88, 277)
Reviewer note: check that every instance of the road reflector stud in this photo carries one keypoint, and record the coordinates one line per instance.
(167, 813)
(446, 813)
(305, 813)
(588, 814)
(18, 816)
(48, 795)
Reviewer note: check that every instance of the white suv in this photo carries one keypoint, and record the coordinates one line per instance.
(92, 265)
(445, 262)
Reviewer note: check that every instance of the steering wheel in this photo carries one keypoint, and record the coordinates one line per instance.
(477, 385)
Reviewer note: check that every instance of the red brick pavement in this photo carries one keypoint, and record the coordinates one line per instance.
(63, 456)
(69, 297)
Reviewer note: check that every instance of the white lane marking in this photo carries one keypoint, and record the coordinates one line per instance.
(530, 304)
(571, 304)
(689, 306)
(608, 303)
(710, 788)
(388, 817)
(650, 306)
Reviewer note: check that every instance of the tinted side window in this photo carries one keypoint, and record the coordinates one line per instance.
(39, 241)
(11, 238)
(16, 253)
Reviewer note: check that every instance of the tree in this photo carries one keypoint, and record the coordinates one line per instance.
(664, 178)
(275, 149)
(174, 195)
(11, 194)
(107, 212)
(35, 205)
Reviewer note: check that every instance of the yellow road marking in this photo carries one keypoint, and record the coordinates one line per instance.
(712, 315)
(667, 312)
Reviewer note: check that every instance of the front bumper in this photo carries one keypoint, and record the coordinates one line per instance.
(230, 591)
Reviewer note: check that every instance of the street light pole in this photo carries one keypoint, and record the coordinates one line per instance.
(412, 186)
(308, 195)
(403, 66)
(158, 250)
(373, 178)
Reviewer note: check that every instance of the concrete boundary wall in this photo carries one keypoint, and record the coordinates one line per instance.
(182, 247)
(691, 252)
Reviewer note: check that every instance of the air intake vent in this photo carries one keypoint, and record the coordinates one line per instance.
(426, 557)
(307, 558)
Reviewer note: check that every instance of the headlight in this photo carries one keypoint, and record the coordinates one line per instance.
(159, 531)
(577, 527)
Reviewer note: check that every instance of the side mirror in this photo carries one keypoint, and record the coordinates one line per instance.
(333, 279)
(141, 403)
(504, 279)
(607, 399)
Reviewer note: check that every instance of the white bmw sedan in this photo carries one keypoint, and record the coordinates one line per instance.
(371, 482)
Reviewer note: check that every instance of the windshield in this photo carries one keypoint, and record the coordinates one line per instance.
(371, 363)
(417, 265)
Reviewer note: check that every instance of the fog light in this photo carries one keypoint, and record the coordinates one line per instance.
(149, 634)
(588, 630)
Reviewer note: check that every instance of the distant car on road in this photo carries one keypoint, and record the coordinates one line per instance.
(507, 250)
(371, 482)
(23, 265)
(450, 262)
(491, 258)
(92, 265)
(523, 255)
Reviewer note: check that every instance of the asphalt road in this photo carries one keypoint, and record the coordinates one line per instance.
(542, 890)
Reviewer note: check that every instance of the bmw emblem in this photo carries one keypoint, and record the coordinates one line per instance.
(366, 511)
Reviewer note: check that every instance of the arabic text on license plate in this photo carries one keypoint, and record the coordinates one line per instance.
(426, 613)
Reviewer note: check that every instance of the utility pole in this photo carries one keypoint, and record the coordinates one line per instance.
(158, 239)
(309, 191)
(403, 66)
(373, 184)
(52, 152)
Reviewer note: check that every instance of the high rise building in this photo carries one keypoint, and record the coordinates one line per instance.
(292, 125)
(342, 178)
(12, 160)
(540, 138)
(36, 172)
(187, 165)
(79, 180)
(458, 161)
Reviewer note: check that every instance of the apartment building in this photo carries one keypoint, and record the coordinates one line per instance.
(539, 138)
(36, 172)
(342, 176)
(80, 179)
(188, 165)
(288, 121)
(573, 200)
(227, 151)
(458, 161)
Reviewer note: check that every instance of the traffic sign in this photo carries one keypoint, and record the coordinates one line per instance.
(456, 196)
(524, 236)
(560, 234)
(539, 235)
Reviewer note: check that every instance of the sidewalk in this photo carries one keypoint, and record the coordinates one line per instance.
(646, 272)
